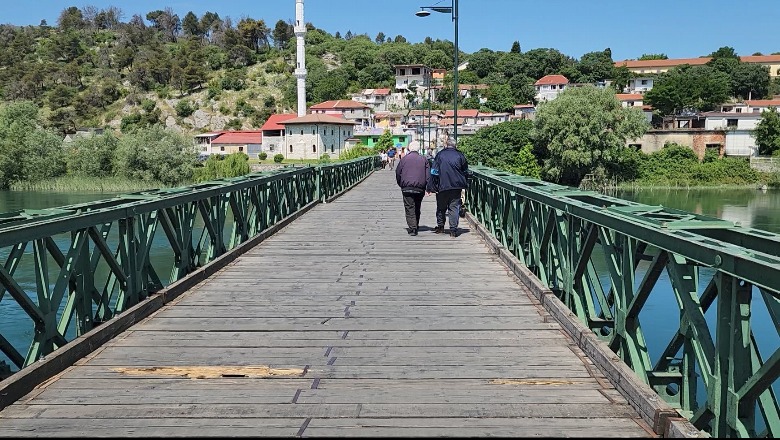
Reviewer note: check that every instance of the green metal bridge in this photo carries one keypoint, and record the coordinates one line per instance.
(292, 303)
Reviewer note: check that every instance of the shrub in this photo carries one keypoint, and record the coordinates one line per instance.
(263, 155)
(324, 158)
(278, 158)
(184, 108)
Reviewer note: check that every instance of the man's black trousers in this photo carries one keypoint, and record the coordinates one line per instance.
(412, 203)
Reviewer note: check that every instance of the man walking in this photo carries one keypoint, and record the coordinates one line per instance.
(452, 169)
(391, 153)
(412, 176)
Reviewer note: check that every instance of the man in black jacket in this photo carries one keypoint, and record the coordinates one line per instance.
(412, 176)
(452, 169)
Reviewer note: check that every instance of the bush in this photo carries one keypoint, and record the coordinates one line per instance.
(278, 158)
(262, 156)
(324, 158)
(184, 108)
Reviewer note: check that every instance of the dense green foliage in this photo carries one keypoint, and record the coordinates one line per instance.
(222, 167)
(679, 166)
(584, 130)
(278, 158)
(357, 151)
(505, 146)
(767, 132)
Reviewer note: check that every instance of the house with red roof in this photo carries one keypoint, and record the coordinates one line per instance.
(549, 86)
(274, 132)
(315, 134)
(377, 99)
(348, 109)
(227, 142)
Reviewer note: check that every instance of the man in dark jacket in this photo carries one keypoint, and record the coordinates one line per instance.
(412, 176)
(452, 169)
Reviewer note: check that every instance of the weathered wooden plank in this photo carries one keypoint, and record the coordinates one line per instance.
(475, 427)
(141, 410)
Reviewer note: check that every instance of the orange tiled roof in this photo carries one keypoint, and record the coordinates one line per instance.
(462, 113)
(634, 64)
(337, 104)
(273, 121)
(552, 79)
(239, 137)
(628, 96)
(763, 102)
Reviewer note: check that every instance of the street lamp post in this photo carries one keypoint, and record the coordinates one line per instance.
(423, 12)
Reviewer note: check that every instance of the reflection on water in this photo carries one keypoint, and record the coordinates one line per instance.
(752, 208)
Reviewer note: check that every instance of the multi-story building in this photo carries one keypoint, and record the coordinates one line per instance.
(377, 99)
(227, 142)
(549, 86)
(412, 77)
(311, 136)
(273, 132)
(660, 66)
(348, 109)
(640, 85)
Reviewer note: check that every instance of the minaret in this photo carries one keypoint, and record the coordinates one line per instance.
(300, 67)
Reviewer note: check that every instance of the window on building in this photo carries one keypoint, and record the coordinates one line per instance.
(377, 139)
(713, 147)
(240, 148)
(291, 149)
(415, 71)
(221, 148)
(271, 148)
(301, 131)
(635, 147)
(332, 148)
(739, 110)
(731, 123)
(312, 130)
(331, 132)
(313, 148)
(644, 82)
(402, 72)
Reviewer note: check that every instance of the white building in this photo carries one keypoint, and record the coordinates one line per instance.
(639, 85)
(348, 109)
(412, 77)
(377, 99)
(273, 133)
(311, 136)
(549, 86)
(739, 131)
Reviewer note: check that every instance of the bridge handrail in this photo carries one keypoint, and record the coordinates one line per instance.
(711, 369)
(91, 261)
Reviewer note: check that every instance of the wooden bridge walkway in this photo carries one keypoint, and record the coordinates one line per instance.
(340, 325)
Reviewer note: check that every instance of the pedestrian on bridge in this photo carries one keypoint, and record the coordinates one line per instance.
(450, 172)
(412, 176)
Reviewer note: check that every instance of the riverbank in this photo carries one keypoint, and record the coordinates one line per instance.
(88, 184)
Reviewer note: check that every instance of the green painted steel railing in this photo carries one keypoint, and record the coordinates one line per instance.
(71, 268)
(607, 259)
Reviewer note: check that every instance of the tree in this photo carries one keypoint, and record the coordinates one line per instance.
(684, 87)
(380, 38)
(483, 62)
(653, 56)
(385, 141)
(155, 155)
(767, 132)
(191, 25)
(500, 146)
(515, 47)
(595, 66)
(500, 98)
(283, 32)
(584, 130)
(399, 39)
(71, 19)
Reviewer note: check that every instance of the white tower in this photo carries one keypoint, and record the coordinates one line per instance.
(300, 67)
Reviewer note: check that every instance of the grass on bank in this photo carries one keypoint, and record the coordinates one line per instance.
(87, 184)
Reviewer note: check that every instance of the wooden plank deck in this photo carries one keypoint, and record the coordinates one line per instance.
(340, 325)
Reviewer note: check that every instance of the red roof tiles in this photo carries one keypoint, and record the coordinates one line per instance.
(552, 79)
(239, 137)
(338, 104)
(273, 121)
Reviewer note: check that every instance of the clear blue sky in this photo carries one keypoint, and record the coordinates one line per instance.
(678, 28)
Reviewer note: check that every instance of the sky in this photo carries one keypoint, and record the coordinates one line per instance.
(677, 28)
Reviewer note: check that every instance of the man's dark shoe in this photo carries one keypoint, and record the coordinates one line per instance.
(438, 229)
(454, 233)
(413, 232)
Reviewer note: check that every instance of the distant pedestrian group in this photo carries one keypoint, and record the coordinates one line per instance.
(445, 174)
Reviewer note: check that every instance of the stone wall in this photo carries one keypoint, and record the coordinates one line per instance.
(696, 139)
